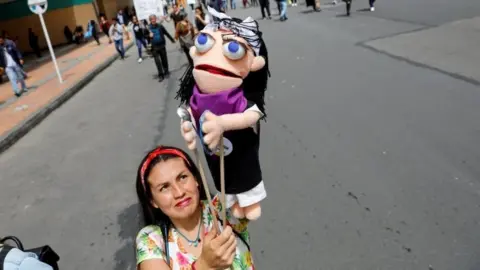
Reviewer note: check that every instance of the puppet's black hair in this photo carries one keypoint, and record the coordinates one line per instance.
(254, 85)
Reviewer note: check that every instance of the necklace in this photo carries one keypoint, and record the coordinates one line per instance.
(197, 240)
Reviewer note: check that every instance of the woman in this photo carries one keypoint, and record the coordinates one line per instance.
(139, 33)
(105, 26)
(201, 19)
(175, 212)
(185, 32)
(92, 31)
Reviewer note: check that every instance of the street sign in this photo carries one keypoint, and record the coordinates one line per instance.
(39, 7)
(145, 8)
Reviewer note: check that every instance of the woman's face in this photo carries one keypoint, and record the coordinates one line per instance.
(198, 12)
(174, 189)
(134, 19)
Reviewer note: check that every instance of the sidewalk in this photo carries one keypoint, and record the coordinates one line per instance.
(78, 67)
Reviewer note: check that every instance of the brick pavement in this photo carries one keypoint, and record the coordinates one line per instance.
(44, 85)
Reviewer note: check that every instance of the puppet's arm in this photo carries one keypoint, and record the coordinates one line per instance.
(214, 126)
(238, 121)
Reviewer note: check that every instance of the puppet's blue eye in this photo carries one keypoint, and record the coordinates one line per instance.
(233, 50)
(204, 42)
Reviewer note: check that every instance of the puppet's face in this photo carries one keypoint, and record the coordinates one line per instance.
(222, 60)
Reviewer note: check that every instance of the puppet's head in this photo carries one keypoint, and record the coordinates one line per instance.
(228, 53)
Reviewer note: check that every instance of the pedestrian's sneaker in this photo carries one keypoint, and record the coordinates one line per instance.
(140, 60)
(372, 9)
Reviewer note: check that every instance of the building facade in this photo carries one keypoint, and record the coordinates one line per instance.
(16, 18)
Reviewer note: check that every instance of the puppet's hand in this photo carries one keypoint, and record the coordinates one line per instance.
(189, 135)
(213, 129)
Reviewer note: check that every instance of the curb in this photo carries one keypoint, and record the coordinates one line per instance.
(37, 117)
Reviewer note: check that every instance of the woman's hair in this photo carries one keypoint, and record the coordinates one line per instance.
(202, 14)
(153, 215)
(254, 85)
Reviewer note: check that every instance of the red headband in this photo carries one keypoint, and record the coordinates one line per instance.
(157, 152)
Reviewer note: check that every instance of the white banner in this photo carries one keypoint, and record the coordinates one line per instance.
(145, 8)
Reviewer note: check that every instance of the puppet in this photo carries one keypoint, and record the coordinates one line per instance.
(224, 91)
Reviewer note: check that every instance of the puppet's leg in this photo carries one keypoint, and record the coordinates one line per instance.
(250, 201)
(232, 204)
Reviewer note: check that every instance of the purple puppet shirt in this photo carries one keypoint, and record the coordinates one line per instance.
(224, 102)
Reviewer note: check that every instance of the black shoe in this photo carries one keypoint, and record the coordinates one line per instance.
(167, 74)
(17, 94)
(160, 79)
(269, 18)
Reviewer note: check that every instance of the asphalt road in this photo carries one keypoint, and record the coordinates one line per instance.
(370, 162)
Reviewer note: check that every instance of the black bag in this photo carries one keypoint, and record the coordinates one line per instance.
(45, 254)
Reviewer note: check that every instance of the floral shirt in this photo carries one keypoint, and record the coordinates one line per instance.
(150, 242)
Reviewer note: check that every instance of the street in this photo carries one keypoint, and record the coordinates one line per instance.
(369, 161)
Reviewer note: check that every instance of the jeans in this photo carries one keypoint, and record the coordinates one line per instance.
(140, 43)
(234, 4)
(15, 75)
(283, 12)
(371, 2)
(119, 47)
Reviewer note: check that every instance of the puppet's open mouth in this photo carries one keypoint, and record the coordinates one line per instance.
(216, 70)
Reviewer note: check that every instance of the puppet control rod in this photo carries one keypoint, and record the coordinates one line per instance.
(185, 116)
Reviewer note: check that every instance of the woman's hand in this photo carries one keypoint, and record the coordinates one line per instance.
(189, 135)
(218, 251)
(213, 128)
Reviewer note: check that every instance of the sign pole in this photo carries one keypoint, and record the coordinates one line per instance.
(49, 43)
(39, 7)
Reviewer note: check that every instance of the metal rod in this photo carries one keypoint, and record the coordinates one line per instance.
(49, 43)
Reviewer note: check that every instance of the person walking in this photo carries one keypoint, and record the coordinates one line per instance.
(158, 33)
(11, 62)
(283, 10)
(116, 32)
(185, 32)
(348, 5)
(105, 26)
(92, 30)
(372, 5)
(139, 33)
(265, 5)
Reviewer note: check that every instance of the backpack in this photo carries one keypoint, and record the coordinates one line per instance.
(41, 258)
